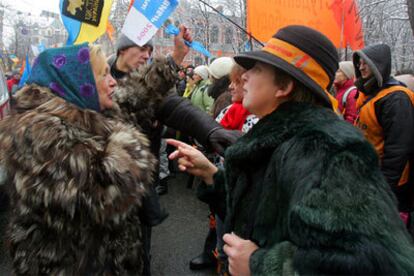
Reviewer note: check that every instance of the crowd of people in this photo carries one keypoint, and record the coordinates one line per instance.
(305, 161)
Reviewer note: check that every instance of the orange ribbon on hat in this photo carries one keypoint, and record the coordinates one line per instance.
(302, 61)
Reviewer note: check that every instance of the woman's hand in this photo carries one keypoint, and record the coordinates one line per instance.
(192, 161)
(239, 252)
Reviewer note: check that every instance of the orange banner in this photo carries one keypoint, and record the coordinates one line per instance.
(110, 30)
(337, 19)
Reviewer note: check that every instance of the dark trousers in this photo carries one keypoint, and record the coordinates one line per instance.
(146, 242)
(151, 214)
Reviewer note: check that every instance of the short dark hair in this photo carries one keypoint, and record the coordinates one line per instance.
(300, 93)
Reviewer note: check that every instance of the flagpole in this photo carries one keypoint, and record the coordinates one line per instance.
(234, 23)
(341, 41)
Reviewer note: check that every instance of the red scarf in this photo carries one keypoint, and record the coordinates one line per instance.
(235, 117)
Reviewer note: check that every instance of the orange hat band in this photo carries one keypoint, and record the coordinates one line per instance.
(299, 59)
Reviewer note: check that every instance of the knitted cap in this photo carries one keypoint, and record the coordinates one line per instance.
(304, 53)
(221, 67)
(347, 67)
(124, 42)
(202, 71)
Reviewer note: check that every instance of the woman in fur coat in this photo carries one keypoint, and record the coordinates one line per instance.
(77, 177)
(302, 192)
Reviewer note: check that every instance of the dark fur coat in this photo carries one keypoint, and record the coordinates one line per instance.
(78, 179)
(306, 187)
(140, 94)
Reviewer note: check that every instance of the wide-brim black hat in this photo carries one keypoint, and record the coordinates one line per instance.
(304, 53)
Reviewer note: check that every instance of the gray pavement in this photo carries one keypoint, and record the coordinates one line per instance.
(181, 236)
(178, 239)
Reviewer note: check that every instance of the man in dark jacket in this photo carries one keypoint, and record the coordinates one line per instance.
(386, 117)
(174, 111)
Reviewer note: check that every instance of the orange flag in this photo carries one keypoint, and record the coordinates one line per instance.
(337, 19)
(110, 30)
(22, 68)
(130, 4)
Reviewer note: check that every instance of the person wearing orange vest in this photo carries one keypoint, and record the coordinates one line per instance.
(386, 117)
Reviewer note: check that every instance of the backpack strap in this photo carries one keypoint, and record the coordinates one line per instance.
(346, 94)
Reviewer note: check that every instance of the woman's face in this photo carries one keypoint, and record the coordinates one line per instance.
(105, 84)
(340, 77)
(236, 91)
(260, 90)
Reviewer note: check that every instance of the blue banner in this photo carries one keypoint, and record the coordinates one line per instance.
(157, 11)
(195, 45)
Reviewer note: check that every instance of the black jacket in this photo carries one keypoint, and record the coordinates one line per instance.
(394, 112)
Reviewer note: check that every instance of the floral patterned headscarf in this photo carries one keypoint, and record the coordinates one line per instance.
(68, 73)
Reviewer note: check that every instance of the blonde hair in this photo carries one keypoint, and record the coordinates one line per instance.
(98, 60)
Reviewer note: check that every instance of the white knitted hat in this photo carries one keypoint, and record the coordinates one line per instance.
(221, 67)
(202, 71)
(347, 67)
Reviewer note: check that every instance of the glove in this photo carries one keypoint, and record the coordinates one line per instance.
(220, 138)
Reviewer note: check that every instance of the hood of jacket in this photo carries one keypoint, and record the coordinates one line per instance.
(378, 58)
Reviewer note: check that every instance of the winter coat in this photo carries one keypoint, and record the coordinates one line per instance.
(305, 186)
(349, 110)
(180, 86)
(200, 97)
(79, 179)
(394, 113)
(218, 90)
(222, 101)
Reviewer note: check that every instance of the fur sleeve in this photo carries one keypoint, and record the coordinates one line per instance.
(58, 166)
(342, 217)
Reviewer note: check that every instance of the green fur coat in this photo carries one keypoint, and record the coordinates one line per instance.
(307, 189)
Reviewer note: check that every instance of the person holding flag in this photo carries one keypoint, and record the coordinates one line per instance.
(174, 111)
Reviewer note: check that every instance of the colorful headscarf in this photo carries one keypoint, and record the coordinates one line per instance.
(68, 73)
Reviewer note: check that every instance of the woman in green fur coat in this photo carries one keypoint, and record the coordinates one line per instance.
(302, 192)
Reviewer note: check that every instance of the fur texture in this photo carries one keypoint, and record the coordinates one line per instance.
(140, 94)
(322, 204)
(78, 181)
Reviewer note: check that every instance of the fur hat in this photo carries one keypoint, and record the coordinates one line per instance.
(124, 42)
(304, 53)
(221, 67)
(347, 67)
(202, 71)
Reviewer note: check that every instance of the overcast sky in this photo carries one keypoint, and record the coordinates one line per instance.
(35, 6)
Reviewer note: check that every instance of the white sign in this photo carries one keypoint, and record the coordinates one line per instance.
(145, 18)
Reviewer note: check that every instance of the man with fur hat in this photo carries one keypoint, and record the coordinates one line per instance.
(301, 192)
(386, 117)
(346, 91)
(172, 110)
